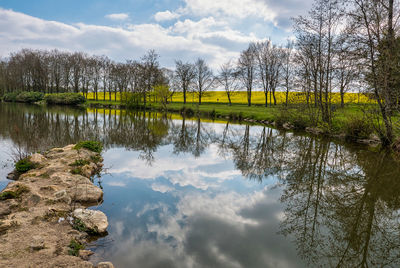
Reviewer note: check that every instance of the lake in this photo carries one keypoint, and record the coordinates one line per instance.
(189, 192)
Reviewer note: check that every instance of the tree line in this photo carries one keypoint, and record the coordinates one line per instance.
(340, 45)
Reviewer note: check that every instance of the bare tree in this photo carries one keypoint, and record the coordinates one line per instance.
(288, 69)
(375, 26)
(228, 78)
(246, 66)
(269, 61)
(150, 72)
(204, 78)
(185, 74)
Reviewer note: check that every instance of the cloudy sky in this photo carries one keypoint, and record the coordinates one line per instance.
(125, 29)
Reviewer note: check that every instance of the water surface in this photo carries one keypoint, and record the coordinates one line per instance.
(182, 192)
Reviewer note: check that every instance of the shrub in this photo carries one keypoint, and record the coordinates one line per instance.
(10, 97)
(65, 99)
(7, 195)
(20, 189)
(93, 146)
(357, 128)
(24, 165)
(74, 247)
(25, 96)
(132, 100)
(79, 162)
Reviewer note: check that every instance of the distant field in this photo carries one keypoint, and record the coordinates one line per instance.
(241, 97)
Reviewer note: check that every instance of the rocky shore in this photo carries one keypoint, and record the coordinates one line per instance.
(44, 220)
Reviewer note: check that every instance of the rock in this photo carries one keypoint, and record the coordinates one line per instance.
(62, 196)
(4, 209)
(12, 176)
(314, 130)
(37, 243)
(287, 126)
(94, 220)
(105, 265)
(38, 159)
(34, 199)
(85, 254)
(86, 193)
(89, 170)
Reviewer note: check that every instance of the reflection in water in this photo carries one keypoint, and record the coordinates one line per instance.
(189, 193)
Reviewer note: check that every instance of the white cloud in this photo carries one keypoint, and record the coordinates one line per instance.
(117, 16)
(238, 9)
(18, 30)
(166, 15)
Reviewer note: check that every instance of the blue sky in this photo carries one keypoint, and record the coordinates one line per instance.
(216, 30)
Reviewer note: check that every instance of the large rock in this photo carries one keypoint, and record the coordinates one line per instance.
(38, 159)
(85, 193)
(94, 220)
(106, 264)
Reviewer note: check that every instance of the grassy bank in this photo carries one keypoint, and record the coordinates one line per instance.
(348, 122)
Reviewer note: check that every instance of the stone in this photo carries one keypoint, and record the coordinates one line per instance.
(4, 209)
(37, 243)
(314, 130)
(38, 159)
(287, 126)
(34, 199)
(85, 254)
(12, 176)
(106, 264)
(86, 193)
(62, 196)
(94, 220)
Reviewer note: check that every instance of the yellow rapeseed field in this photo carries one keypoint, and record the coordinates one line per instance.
(258, 97)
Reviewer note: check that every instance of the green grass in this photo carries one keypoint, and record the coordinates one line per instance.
(344, 118)
(74, 247)
(24, 165)
(93, 146)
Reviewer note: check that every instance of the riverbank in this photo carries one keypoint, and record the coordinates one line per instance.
(348, 122)
(43, 217)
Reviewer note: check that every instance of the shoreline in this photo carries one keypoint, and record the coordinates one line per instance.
(238, 117)
(44, 220)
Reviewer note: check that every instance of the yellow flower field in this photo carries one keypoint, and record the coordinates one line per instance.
(241, 97)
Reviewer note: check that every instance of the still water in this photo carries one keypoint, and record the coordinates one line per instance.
(181, 192)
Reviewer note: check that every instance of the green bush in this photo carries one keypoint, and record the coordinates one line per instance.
(132, 100)
(74, 247)
(10, 97)
(93, 146)
(20, 189)
(358, 128)
(25, 96)
(65, 99)
(24, 165)
(79, 163)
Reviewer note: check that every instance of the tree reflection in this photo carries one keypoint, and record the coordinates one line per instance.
(342, 206)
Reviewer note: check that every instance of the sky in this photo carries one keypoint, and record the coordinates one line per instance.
(216, 30)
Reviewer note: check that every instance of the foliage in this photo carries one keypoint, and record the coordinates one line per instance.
(25, 96)
(7, 195)
(132, 100)
(358, 128)
(162, 93)
(76, 171)
(74, 247)
(20, 189)
(65, 99)
(94, 146)
(79, 162)
(24, 165)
